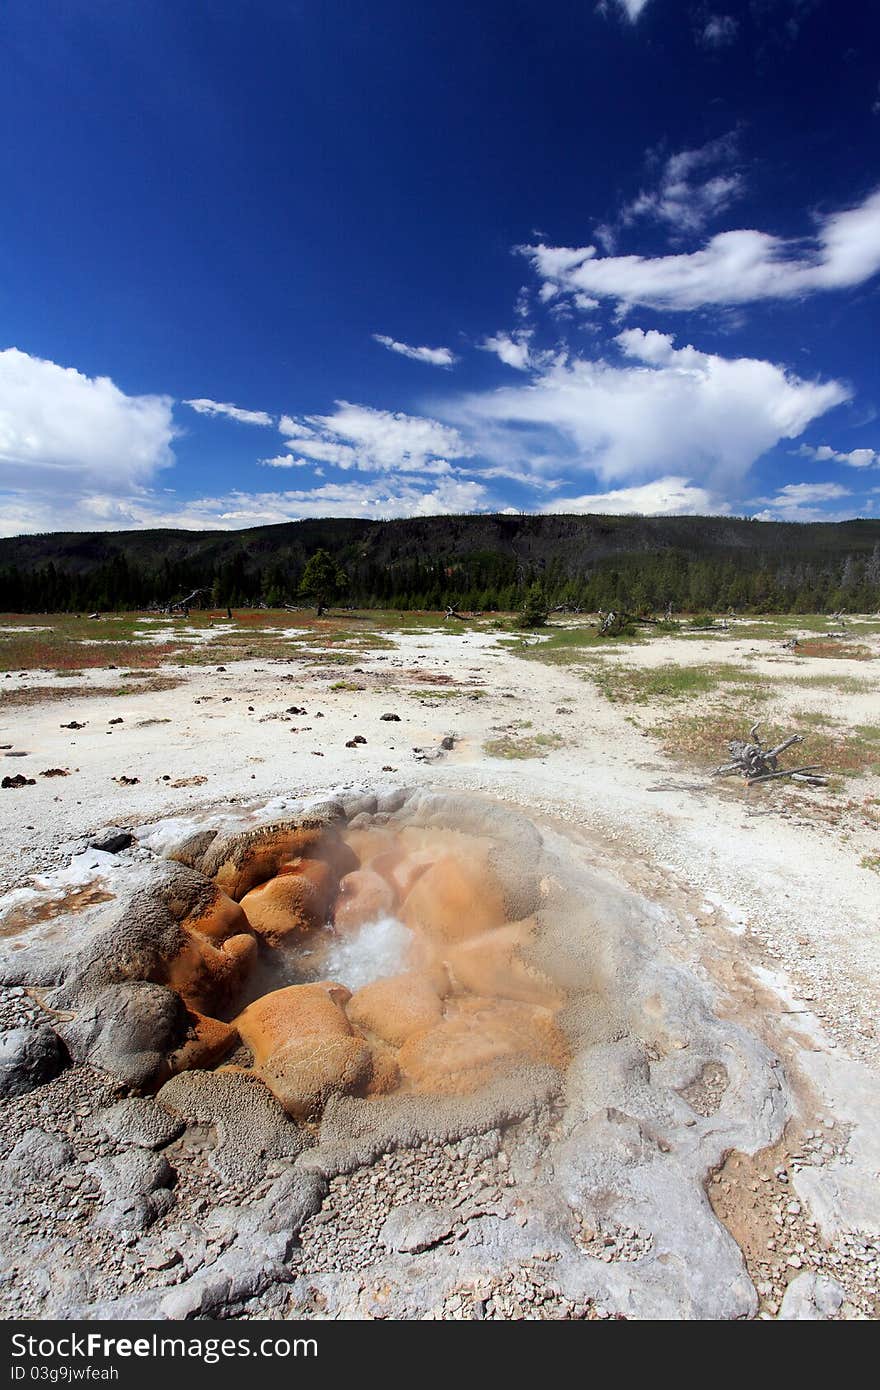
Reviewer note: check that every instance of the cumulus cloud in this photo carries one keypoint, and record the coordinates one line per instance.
(231, 412)
(735, 267)
(856, 458)
(512, 349)
(685, 198)
(66, 435)
(656, 411)
(373, 441)
(670, 496)
(436, 357)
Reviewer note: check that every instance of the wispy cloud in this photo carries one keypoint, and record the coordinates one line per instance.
(686, 197)
(374, 441)
(803, 502)
(434, 356)
(735, 267)
(231, 412)
(237, 509)
(630, 8)
(719, 30)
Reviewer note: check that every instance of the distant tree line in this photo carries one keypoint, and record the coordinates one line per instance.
(646, 581)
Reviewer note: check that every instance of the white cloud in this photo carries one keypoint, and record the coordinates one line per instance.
(374, 499)
(632, 8)
(237, 509)
(802, 502)
(662, 411)
(64, 435)
(734, 267)
(856, 458)
(230, 412)
(437, 357)
(285, 461)
(374, 441)
(811, 492)
(670, 496)
(684, 198)
(512, 349)
(719, 30)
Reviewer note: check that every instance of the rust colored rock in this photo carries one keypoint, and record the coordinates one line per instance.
(403, 871)
(397, 1007)
(298, 1011)
(209, 1042)
(385, 1075)
(455, 899)
(296, 901)
(492, 964)
(304, 1047)
(477, 1044)
(366, 844)
(364, 896)
(216, 954)
(241, 862)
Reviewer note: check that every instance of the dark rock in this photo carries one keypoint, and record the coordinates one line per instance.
(112, 840)
(28, 1058)
(127, 1030)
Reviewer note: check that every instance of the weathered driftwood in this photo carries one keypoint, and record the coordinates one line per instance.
(756, 763)
(612, 623)
(452, 612)
(182, 605)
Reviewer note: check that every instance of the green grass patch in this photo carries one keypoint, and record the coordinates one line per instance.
(427, 695)
(846, 685)
(568, 646)
(530, 746)
(639, 685)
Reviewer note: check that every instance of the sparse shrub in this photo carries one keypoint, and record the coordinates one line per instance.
(534, 610)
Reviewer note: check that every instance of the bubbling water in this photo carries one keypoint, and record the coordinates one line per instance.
(358, 957)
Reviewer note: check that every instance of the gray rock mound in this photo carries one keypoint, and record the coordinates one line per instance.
(37, 1157)
(140, 1122)
(251, 1126)
(137, 1187)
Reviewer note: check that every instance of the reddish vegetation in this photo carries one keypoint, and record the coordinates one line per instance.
(29, 653)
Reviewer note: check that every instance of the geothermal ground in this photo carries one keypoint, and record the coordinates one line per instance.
(626, 1064)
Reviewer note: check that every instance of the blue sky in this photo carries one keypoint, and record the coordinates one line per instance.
(267, 260)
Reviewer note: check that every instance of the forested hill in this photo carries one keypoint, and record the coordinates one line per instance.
(478, 562)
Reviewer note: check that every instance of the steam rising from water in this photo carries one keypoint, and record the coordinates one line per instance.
(367, 953)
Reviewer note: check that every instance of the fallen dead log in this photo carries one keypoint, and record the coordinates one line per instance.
(182, 605)
(751, 760)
